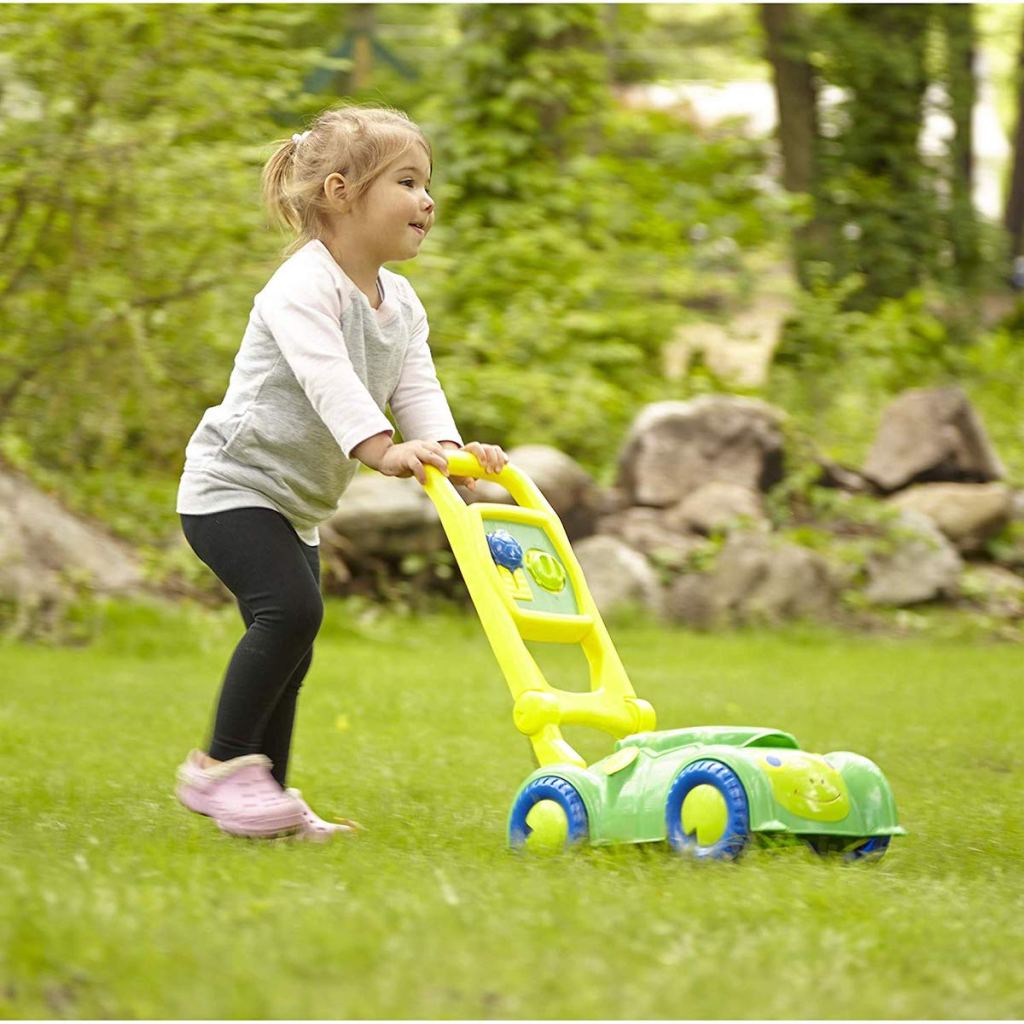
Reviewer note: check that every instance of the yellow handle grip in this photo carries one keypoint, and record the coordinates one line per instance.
(461, 463)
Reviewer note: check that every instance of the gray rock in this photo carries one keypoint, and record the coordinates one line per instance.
(383, 516)
(968, 514)
(755, 579)
(691, 601)
(923, 567)
(45, 550)
(717, 505)
(673, 448)
(931, 434)
(1017, 506)
(839, 477)
(617, 575)
(643, 529)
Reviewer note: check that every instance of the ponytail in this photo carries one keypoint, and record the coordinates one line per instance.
(274, 182)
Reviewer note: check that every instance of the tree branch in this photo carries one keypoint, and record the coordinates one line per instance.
(20, 205)
(72, 341)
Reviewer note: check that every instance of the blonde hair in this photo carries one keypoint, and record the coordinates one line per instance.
(355, 141)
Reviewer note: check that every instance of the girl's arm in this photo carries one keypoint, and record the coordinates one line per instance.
(418, 402)
(407, 459)
(304, 316)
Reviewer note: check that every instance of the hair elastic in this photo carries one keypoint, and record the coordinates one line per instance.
(297, 138)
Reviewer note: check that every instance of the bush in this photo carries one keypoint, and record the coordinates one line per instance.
(836, 368)
(550, 313)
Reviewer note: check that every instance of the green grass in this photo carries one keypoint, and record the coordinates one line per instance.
(116, 902)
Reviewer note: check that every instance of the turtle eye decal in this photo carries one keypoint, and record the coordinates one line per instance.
(546, 570)
(773, 760)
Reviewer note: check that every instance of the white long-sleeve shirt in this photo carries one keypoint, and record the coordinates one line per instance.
(317, 367)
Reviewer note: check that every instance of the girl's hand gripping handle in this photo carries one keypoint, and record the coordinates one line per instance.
(462, 463)
(465, 464)
(489, 456)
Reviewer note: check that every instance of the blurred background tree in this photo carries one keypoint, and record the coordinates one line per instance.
(580, 229)
(881, 209)
(130, 158)
(1014, 215)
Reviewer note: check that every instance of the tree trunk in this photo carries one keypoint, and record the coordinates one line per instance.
(1014, 219)
(795, 94)
(960, 48)
(364, 24)
(796, 98)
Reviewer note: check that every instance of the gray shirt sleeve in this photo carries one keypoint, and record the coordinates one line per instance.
(303, 312)
(418, 403)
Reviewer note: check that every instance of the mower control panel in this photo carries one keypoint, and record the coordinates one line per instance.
(529, 566)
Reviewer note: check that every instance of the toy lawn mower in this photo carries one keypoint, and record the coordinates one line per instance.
(709, 791)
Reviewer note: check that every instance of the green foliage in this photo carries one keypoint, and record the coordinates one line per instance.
(957, 22)
(572, 234)
(990, 370)
(903, 341)
(716, 42)
(531, 79)
(836, 368)
(128, 195)
(875, 194)
(1007, 547)
(896, 218)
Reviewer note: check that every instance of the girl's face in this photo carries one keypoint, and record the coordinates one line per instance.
(394, 215)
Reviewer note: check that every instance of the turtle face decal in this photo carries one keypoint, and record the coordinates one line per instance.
(807, 785)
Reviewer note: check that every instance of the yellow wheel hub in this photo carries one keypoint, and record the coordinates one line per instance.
(705, 814)
(549, 826)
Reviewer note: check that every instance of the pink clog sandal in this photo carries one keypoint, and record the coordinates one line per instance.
(314, 828)
(240, 795)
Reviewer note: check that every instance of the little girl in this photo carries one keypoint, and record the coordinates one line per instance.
(332, 340)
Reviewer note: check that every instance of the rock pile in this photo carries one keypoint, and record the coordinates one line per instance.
(695, 527)
(692, 531)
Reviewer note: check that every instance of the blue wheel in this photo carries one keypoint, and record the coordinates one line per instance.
(548, 815)
(873, 849)
(849, 849)
(706, 813)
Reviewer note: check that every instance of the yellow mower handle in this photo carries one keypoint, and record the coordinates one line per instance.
(611, 704)
(461, 463)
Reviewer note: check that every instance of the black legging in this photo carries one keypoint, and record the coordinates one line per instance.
(275, 578)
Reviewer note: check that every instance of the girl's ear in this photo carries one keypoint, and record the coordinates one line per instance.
(336, 190)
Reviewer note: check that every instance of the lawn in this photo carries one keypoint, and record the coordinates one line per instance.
(118, 903)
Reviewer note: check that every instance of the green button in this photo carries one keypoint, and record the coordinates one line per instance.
(546, 570)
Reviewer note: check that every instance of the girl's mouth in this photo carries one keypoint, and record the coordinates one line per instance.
(419, 231)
